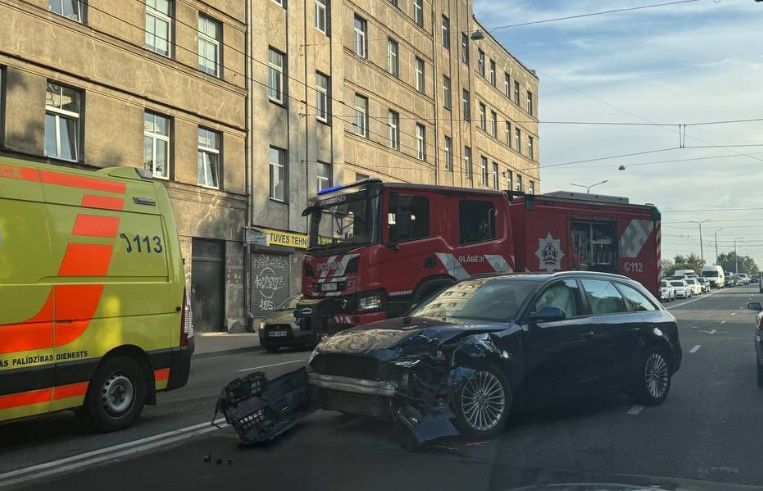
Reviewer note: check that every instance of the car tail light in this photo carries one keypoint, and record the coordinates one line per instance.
(186, 323)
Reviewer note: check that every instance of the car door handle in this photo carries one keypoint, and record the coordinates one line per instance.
(587, 335)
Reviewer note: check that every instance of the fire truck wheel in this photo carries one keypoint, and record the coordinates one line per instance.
(116, 394)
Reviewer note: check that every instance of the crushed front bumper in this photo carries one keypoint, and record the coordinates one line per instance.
(355, 385)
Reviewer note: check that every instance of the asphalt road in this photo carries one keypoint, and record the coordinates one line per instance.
(710, 430)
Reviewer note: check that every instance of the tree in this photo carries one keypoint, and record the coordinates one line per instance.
(666, 267)
(692, 261)
(729, 263)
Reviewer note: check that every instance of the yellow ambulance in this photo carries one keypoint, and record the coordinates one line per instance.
(93, 309)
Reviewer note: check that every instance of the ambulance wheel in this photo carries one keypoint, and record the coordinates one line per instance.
(116, 394)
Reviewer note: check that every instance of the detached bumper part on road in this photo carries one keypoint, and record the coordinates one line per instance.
(355, 385)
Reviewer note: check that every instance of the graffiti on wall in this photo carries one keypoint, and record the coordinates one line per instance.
(270, 287)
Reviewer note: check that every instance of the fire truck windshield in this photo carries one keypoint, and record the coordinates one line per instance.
(345, 220)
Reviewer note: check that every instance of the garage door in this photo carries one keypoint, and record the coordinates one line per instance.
(270, 282)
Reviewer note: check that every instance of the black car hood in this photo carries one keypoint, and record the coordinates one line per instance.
(404, 336)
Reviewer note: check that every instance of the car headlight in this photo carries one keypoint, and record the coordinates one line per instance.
(371, 301)
(262, 325)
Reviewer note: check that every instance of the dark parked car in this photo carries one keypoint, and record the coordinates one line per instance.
(280, 329)
(482, 342)
(757, 307)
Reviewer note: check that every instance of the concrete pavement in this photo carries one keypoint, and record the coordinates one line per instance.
(709, 430)
(223, 342)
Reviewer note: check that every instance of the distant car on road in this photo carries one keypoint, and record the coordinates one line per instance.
(715, 275)
(477, 345)
(682, 288)
(281, 330)
(667, 292)
(705, 284)
(731, 280)
(744, 278)
(757, 307)
(696, 286)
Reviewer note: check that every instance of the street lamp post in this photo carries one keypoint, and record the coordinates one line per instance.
(716, 244)
(588, 188)
(701, 245)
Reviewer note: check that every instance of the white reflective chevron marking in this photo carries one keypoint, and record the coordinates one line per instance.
(634, 237)
(498, 263)
(454, 268)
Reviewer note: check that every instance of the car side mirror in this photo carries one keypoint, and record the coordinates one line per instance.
(548, 314)
(756, 306)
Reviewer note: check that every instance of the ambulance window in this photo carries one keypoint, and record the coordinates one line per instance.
(477, 221)
(407, 217)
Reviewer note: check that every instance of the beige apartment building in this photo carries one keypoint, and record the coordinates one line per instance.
(245, 109)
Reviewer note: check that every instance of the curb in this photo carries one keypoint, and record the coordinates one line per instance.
(235, 351)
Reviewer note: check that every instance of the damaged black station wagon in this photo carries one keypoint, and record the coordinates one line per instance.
(469, 351)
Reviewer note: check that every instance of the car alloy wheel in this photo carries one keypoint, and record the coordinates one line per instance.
(656, 375)
(483, 402)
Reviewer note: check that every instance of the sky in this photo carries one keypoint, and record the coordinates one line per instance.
(692, 62)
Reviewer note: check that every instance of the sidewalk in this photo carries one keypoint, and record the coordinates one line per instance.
(222, 342)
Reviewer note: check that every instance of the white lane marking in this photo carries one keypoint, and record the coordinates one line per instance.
(67, 464)
(695, 348)
(693, 300)
(733, 313)
(272, 365)
(712, 331)
(723, 322)
(635, 410)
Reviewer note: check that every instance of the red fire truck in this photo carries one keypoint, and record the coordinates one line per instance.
(376, 248)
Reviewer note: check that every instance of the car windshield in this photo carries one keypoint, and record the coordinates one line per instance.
(489, 299)
(710, 274)
(663, 284)
(676, 283)
(343, 220)
(691, 281)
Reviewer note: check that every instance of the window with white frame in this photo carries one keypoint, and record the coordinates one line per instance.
(445, 32)
(159, 26)
(156, 144)
(393, 129)
(208, 158)
(492, 73)
(420, 74)
(276, 76)
(495, 175)
(322, 97)
(278, 174)
(63, 107)
(468, 162)
(516, 92)
(467, 105)
(531, 184)
(494, 124)
(465, 48)
(531, 148)
(481, 62)
(510, 180)
(520, 187)
(361, 116)
(508, 134)
(483, 170)
(421, 142)
(446, 92)
(322, 16)
(210, 34)
(418, 12)
(360, 30)
(483, 117)
(393, 63)
(71, 9)
(517, 140)
(506, 84)
(448, 153)
(323, 176)
(529, 102)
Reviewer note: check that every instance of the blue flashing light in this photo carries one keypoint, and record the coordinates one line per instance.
(330, 189)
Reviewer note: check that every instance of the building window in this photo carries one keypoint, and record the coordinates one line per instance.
(446, 93)
(393, 65)
(445, 32)
(464, 48)
(468, 162)
(156, 144)
(531, 148)
(517, 140)
(483, 170)
(67, 8)
(519, 183)
(481, 62)
(323, 176)
(278, 173)
(419, 74)
(393, 130)
(516, 92)
(448, 153)
(421, 142)
(467, 103)
(276, 71)
(532, 187)
(483, 117)
(361, 116)
(209, 45)
(494, 124)
(506, 84)
(282, 3)
(529, 102)
(322, 97)
(509, 180)
(159, 26)
(495, 175)
(492, 73)
(208, 158)
(322, 16)
(361, 41)
(62, 122)
(508, 134)
(418, 12)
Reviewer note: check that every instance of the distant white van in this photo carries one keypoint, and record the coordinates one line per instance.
(688, 273)
(715, 275)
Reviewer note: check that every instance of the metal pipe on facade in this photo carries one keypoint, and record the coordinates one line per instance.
(248, 162)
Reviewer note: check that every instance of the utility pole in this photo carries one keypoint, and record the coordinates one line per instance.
(736, 258)
(701, 245)
(716, 245)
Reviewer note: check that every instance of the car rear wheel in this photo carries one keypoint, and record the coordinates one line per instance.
(652, 380)
(482, 403)
(116, 394)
